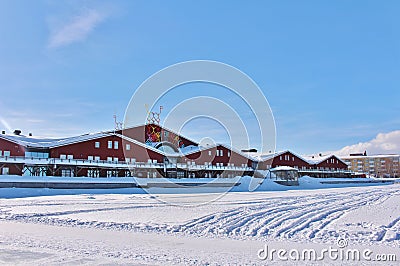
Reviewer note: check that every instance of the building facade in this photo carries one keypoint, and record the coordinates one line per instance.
(374, 165)
(315, 166)
(153, 151)
(142, 151)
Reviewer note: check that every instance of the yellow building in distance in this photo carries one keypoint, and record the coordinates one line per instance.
(382, 165)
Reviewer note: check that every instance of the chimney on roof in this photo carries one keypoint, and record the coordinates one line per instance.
(320, 155)
(17, 132)
(356, 154)
(3, 132)
(30, 134)
(250, 150)
(365, 153)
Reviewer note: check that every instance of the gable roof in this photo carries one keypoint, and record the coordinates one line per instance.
(202, 148)
(32, 142)
(40, 143)
(269, 156)
(319, 159)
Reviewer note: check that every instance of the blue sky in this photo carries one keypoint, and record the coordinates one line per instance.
(329, 69)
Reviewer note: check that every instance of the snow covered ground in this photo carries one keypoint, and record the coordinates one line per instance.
(168, 229)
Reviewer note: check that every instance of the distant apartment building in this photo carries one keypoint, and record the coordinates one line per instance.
(384, 165)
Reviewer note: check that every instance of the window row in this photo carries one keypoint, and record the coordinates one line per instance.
(220, 153)
(112, 144)
(286, 157)
(66, 156)
(31, 154)
(333, 161)
(97, 158)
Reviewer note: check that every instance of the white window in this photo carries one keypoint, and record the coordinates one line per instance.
(110, 173)
(1, 153)
(116, 145)
(127, 160)
(133, 160)
(67, 172)
(5, 171)
(128, 147)
(116, 159)
(280, 157)
(109, 144)
(209, 153)
(6, 153)
(229, 154)
(127, 173)
(90, 158)
(293, 158)
(109, 159)
(180, 174)
(93, 173)
(97, 158)
(70, 156)
(97, 144)
(34, 154)
(221, 152)
(63, 156)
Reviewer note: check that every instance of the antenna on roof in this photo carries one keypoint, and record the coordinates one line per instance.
(153, 117)
(153, 130)
(117, 125)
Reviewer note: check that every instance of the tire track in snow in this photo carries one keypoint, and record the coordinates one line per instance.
(292, 217)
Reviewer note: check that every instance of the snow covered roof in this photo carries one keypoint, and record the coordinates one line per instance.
(189, 149)
(269, 156)
(316, 159)
(237, 151)
(370, 156)
(35, 142)
(202, 148)
(283, 168)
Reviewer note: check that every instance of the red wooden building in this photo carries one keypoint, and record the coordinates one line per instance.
(316, 166)
(144, 151)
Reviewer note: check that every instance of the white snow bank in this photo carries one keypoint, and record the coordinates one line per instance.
(186, 185)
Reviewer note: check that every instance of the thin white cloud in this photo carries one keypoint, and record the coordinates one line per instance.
(383, 143)
(77, 29)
